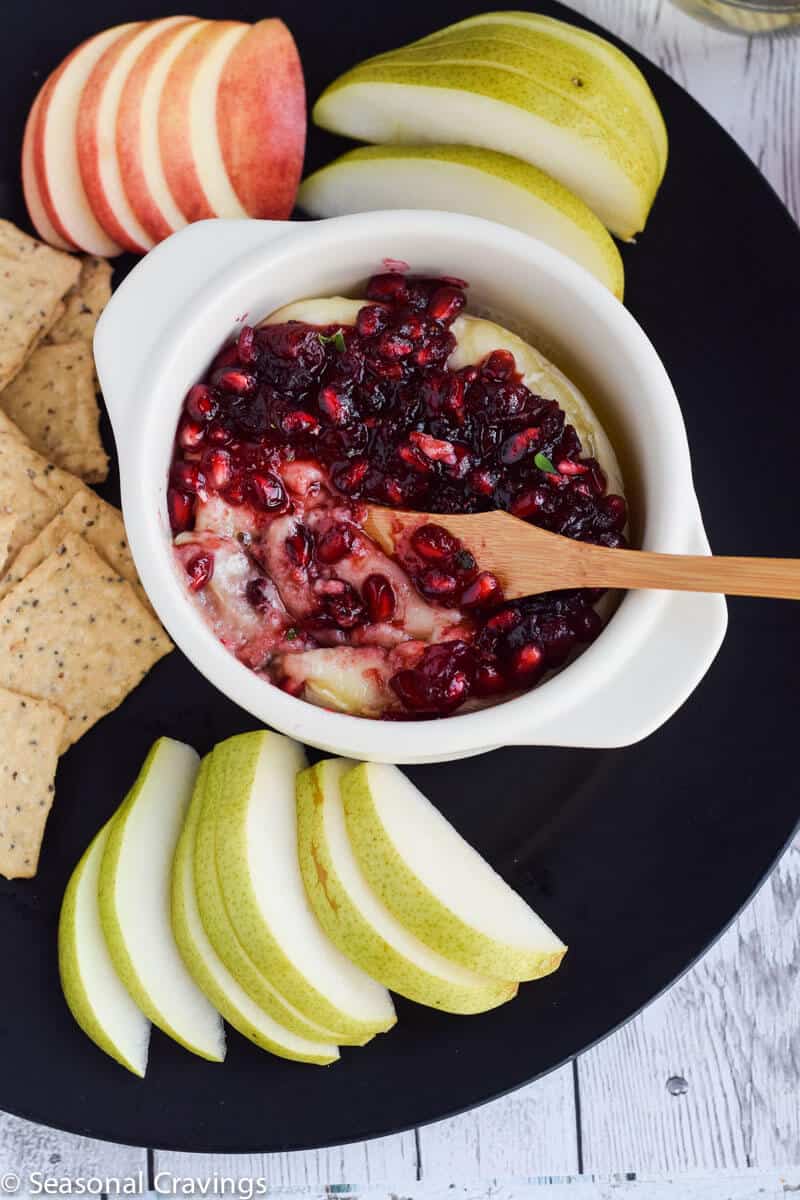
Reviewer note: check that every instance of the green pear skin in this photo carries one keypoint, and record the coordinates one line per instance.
(404, 893)
(233, 786)
(222, 936)
(208, 970)
(453, 989)
(84, 1003)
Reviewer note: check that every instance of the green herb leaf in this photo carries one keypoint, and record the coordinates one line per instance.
(291, 634)
(337, 339)
(544, 464)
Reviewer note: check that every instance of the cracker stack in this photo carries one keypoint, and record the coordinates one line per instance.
(76, 631)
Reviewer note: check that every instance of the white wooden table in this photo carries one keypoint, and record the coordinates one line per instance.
(700, 1095)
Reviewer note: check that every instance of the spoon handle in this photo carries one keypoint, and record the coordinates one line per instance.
(777, 577)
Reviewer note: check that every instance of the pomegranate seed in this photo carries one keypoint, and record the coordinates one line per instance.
(267, 492)
(393, 492)
(505, 621)
(190, 478)
(218, 468)
(299, 422)
(413, 458)
(236, 383)
(445, 304)
(299, 546)
(531, 501)
(390, 287)
(500, 364)
(349, 478)
(412, 328)
(181, 510)
(558, 639)
(434, 544)
(218, 434)
(334, 544)
(335, 406)
(617, 510)
(378, 595)
(518, 445)
(527, 662)
(488, 680)
(437, 584)
(345, 607)
(393, 346)
(436, 449)
(200, 569)
(485, 589)
(201, 403)
(371, 320)
(245, 346)
(567, 467)
(483, 482)
(597, 478)
(190, 434)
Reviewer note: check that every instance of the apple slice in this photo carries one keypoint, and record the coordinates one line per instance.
(253, 780)
(30, 187)
(261, 120)
(134, 892)
(96, 134)
(191, 154)
(482, 94)
(436, 884)
(358, 922)
(223, 939)
(94, 992)
(138, 151)
(207, 969)
(521, 25)
(55, 152)
(466, 179)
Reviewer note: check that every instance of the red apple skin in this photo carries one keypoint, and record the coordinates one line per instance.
(31, 190)
(134, 177)
(88, 138)
(261, 120)
(174, 129)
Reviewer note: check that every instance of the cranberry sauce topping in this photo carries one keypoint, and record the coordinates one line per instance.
(371, 412)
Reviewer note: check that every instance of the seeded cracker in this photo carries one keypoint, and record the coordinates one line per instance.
(8, 521)
(33, 280)
(73, 632)
(53, 402)
(32, 488)
(84, 303)
(99, 523)
(30, 734)
(9, 429)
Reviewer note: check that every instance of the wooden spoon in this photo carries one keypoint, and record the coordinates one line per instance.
(527, 560)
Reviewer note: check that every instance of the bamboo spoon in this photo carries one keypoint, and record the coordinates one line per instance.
(527, 560)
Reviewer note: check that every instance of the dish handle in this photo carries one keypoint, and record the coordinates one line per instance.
(157, 288)
(628, 707)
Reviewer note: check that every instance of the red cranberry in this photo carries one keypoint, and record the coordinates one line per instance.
(500, 365)
(334, 405)
(436, 449)
(530, 502)
(258, 594)
(299, 422)
(434, 543)
(378, 595)
(189, 478)
(190, 434)
(519, 444)
(218, 468)
(440, 681)
(348, 479)
(616, 508)
(436, 584)
(527, 663)
(558, 638)
(445, 304)
(181, 510)
(299, 546)
(390, 288)
(586, 624)
(344, 607)
(488, 681)
(235, 383)
(371, 320)
(334, 544)
(484, 590)
(200, 569)
(267, 492)
(413, 457)
(483, 482)
(201, 403)
(566, 466)
(504, 621)
(219, 434)
(393, 346)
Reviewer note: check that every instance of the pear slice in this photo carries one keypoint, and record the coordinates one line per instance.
(222, 936)
(467, 94)
(134, 899)
(252, 781)
(520, 26)
(94, 992)
(466, 179)
(207, 969)
(357, 921)
(436, 884)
